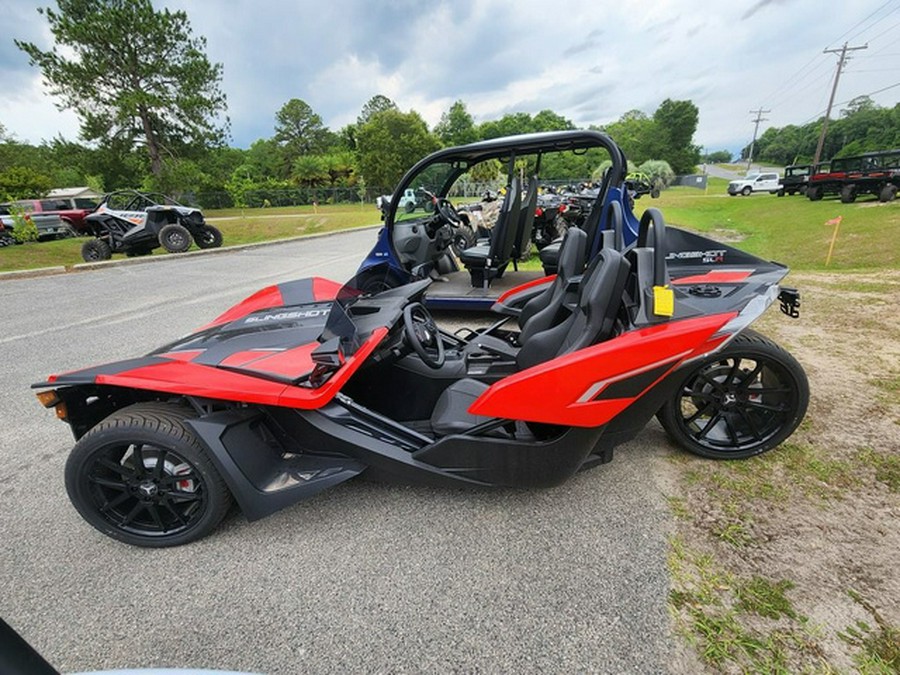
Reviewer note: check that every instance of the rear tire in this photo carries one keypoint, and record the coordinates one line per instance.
(209, 237)
(888, 193)
(175, 238)
(848, 194)
(738, 402)
(95, 250)
(140, 476)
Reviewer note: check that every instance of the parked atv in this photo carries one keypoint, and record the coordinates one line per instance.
(135, 223)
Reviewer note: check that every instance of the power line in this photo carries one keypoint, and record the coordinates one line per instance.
(859, 23)
(837, 76)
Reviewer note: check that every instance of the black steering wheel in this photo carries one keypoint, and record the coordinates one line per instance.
(448, 211)
(422, 334)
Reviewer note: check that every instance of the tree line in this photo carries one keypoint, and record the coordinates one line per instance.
(153, 116)
(861, 127)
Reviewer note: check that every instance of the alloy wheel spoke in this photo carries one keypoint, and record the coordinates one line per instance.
(131, 515)
(137, 457)
(160, 464)
(715, 385)
(108, 506)
(153, 510)
(166, 502)
(108, 483)
(123, 471)
(700, 413)
(751, 424)
(709, 425)
(729, 427)
(764, 406)
(750, 378)
(769, 390)
(733, 373)
(178, 497)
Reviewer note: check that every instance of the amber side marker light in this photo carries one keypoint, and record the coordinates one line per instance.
(49, 399)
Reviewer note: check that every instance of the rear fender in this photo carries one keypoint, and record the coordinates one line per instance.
(591, 386)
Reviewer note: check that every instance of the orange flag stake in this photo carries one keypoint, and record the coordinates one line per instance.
(837, 223)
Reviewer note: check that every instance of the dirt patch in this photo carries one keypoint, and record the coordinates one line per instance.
(811, 527)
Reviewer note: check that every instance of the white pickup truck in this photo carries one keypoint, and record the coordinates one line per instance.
(754, 182)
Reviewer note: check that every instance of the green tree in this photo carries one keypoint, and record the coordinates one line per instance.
(4, 135)
(510, 124)
(389, 144)
(547, 120)
(633, 132)
(717, 157)
(20, 182)
(309, 171)
(133, 75)
(675, 123)
(456, 126)
(299, 130)
(376, 104)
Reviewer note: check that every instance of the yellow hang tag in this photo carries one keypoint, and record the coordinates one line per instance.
(663, 301)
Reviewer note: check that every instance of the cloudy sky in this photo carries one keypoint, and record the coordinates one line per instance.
(590, 61)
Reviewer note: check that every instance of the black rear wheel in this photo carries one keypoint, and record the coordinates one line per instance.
(848, 194)
(175, 238)
(95, 250)
(141, 477)
(739, 402)
(209, 236)
(888, 193)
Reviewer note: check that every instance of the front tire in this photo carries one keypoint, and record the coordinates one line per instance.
(888, 193)
(175, 238)
(209, 237)
(746, 191)
(141, 477)
(814, 194)
(95, 250)
(739, 402)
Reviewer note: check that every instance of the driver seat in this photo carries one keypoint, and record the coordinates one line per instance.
(486, 262)
(592, 321)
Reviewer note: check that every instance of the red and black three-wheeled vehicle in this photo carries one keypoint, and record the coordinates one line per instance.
(309, 383)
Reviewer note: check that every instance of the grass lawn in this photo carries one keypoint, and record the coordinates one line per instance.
(791, 230)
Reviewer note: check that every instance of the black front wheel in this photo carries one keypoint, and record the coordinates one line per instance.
(175, 238)
(209, 236)
(95, 250)
(739, 402)
(141, 477)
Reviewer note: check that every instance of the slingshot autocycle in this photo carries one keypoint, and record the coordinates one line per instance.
(309, 383)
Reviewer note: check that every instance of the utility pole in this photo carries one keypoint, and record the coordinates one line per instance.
(842, 60)
(759, 118)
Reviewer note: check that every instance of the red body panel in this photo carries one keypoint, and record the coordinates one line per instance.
(271, 296)
(523, 287)
(192, 379)
(723, 277)
(563, 391)
(264, 299)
